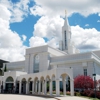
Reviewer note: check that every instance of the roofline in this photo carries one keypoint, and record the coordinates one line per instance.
(57, 50)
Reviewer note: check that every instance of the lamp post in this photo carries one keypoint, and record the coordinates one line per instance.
(94, 75)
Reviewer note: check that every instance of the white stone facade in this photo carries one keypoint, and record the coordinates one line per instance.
(45, 64)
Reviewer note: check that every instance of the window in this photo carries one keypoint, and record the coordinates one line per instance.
(85, 72)
(65, 40)
(9, 79)
(36, 64)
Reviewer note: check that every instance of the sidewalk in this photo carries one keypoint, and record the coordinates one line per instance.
(27, 97)
(72, 98)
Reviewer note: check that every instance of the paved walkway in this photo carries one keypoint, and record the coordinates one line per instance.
(25, 97)
(72, 98)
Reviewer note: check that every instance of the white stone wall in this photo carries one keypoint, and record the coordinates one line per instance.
(43, 64)
(15, 66)
(97, 71)
(78, 68)
(44, 53)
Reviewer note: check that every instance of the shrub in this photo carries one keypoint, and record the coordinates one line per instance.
(98, 94)
(83, 82)
(91, 93)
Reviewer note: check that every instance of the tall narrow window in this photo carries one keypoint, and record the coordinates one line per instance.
(65, 40)
(85, 72)
(36, 64)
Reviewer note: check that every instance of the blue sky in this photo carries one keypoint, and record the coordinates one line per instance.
(30, 23)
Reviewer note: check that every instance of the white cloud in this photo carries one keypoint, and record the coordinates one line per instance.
(54, 42)
(11, 45)
(36, 41)
(17, 10)
(86, 25)
(86, 38)
(51, 28)
(48, 27)
(24, 37)
(99, 14)
(39, 41)
(6, 15)
(55, 7)
(98, 21)
(50, 24)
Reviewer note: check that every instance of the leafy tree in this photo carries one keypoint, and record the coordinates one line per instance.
(5, 69)
(83, 82)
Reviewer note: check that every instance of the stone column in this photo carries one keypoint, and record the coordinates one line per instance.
(26, 87)
(50, 87)
(33, 87)
(45, 87)
(20, 86)
(0, 87)
(64, 86)
(57, 87)
(3, 86)
(72, 87)
(42, 87)
(14, 89)
(36, 87)
(39, 89)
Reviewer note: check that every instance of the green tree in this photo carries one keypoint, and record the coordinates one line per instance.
(5, 69)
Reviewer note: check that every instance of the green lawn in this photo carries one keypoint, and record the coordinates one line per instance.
(90, 98)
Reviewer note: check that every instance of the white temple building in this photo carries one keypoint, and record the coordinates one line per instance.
(46, 65)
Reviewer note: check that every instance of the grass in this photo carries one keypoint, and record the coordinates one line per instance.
(89, 98)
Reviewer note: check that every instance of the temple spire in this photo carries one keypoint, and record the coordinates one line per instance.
(66, 19)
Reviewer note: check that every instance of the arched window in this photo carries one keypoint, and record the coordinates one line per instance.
(36, 64)
(9, 79)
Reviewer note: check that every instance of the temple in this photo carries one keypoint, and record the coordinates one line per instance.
(46, 70)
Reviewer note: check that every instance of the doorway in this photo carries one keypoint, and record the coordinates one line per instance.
(9, 85)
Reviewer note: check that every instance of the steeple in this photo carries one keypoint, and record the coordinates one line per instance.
(66, 43)
(66, 35)
(66, 23)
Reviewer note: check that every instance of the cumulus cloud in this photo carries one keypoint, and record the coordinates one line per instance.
(36, 41)
(85, 38)
(24, 37)
(54, 42)
(17, 10)
(6, 15)
(98, 21)
(50, 23)
(55, 7)
(86, 25)
(48, 27)
(11, 45)
(39, 41)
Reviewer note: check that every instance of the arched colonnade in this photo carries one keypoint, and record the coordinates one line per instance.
(45, 83)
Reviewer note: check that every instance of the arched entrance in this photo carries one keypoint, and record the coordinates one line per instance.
(30, 82)
(53, 84)
(48, 84)
(9, 85)
(23, 86)
(36, 84)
